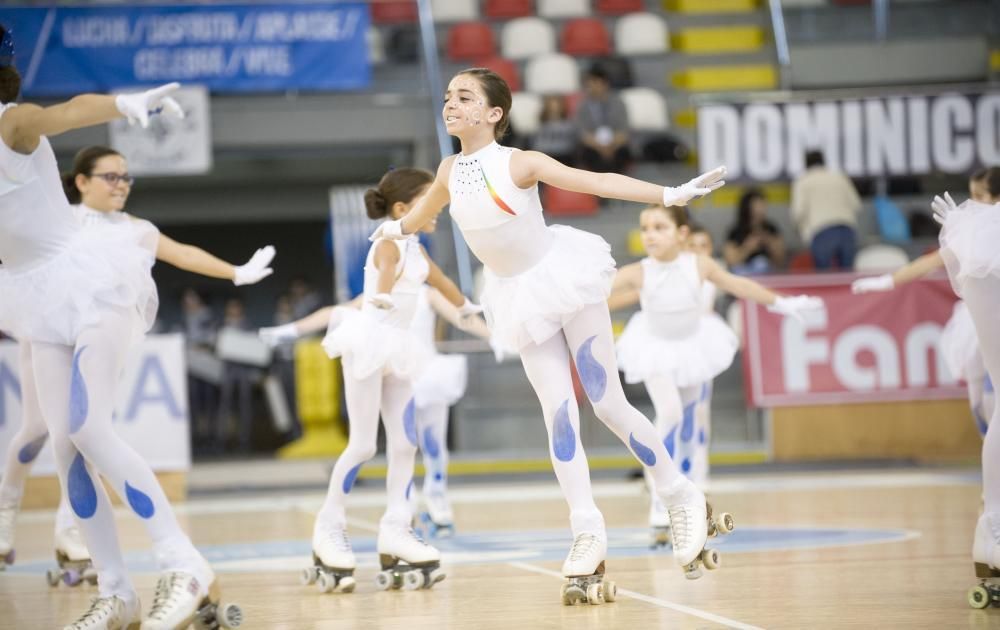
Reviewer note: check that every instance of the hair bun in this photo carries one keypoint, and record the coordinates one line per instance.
(375, 204)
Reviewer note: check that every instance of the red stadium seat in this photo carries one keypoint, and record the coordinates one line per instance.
(573, 103)
(802, 262)
(585, 37)
(394, 12)
(506, 68)
(617, 7)
(561, 202)
(504, 9)
(471, 40)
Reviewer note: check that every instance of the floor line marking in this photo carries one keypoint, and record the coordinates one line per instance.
(655, 601)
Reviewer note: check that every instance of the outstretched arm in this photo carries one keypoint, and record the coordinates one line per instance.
(449, 312)
(626, 286)
(436, 278)
(312, 323)
(530, 167)
(791, 306)
(427, 207)
(196, 260)
(909, 272)
(22, 127)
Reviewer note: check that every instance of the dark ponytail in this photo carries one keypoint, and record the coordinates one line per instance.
(400, 184)
(990, 178)
(83, 164)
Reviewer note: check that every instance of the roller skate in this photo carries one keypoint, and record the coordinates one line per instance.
(8, 514)
(691, 524)
(333, 561)
(75, 565)
(986, 557)
(109, 613)
(659, 524)
(437, 521)
(584, 572)
(181, 600)
(407, 562)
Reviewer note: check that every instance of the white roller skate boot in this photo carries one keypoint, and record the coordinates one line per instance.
(986, 558)
(691, 525)
(181, 599)
(75, 565)
(8, 514)
(659, 523)
(438, 519)
(333, 559)
(584, 571)
(109, 613)
(407, 561)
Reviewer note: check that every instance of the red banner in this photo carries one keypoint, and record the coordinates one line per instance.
(875, 347)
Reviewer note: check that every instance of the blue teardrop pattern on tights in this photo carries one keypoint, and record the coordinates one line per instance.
(82, 493)
(410, 422)
(352, 474)
(30, 451)
(563, 435)
(79, 402)
(139, 501)
(593, 377)
(643, 452)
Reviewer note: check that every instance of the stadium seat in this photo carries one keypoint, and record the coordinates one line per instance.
(563, 8)
(617, 7)
(455, 10)
(471, 40)
(376, 45)
(525, 111)
(506, 9)
(404, 44)
(527, 37)
(802, 262)
(552, 74)
(561, 202)
(641, 34)
(880, 258)
(647, 109)
(394, 12)
(585, 37)
(506, 68)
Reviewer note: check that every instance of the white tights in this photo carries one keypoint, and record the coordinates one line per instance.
(432, 421)
(682, 424)
(365, 397)
(588, 337)
(979, 387)
(982, 295)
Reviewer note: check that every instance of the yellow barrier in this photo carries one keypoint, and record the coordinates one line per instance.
(317, 394)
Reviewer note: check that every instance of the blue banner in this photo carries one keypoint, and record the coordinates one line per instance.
(317, 46)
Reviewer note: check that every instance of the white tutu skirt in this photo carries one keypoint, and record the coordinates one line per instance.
(970, 243)
(959, 343)
(534, 305)
(443, 382)
(688, 361)
(103, 266)
(367, 346)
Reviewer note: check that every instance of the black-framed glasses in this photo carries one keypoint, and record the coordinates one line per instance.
(114, 178)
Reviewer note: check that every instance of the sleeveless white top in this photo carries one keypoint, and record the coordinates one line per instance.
(411, 273)
(502, 223)
(424, 317)
(671, 295)
(36, 222)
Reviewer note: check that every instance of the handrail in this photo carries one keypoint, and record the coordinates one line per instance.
(780, 41)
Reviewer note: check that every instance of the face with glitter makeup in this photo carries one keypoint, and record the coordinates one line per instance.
(466, 107)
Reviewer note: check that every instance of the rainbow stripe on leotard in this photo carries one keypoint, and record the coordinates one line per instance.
(496, 198)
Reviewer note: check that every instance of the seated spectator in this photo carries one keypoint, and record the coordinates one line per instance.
(557, 134)
(754, 244)
(602, 125)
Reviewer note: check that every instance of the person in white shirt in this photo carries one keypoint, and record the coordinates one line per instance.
(825, 206)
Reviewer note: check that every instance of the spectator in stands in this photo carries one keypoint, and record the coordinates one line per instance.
(755, 244)
(602, 125)
(237, 382)
(825, 206)
(305, 299)
(557, 134)
(199, 327)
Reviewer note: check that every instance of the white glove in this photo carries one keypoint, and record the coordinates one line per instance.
(389, 229)
(466, 311)
(256, 269)
(137, 106)
(794, 305)
(875, 284)
(498, 351)
(382, 301)
(942, 207)
(697, 187)
(276, 335)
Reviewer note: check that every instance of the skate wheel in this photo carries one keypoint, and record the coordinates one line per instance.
(564, 594)
(413, 580)
(326, 582)
(979, 597)
(572, 594)
(595, 594)
(435, 576)
(53, 577)
(383, 580)
(610, 591)
(91, 579)
(309, 576)
(71, 577)
(229, 615)
(725, 523)
(692, 571)
(346, 584)
(711, 559)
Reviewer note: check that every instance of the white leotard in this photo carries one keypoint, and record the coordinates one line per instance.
(671, 295)
(502, 223)
(411, 272)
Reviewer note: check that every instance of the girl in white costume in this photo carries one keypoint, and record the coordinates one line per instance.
(545, 295)
(381, 355)
(99, 186)
(969, 238)
(671, 345)
(74, 295)
(959, 344)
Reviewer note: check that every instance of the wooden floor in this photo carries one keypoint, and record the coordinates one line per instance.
(861, 550)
